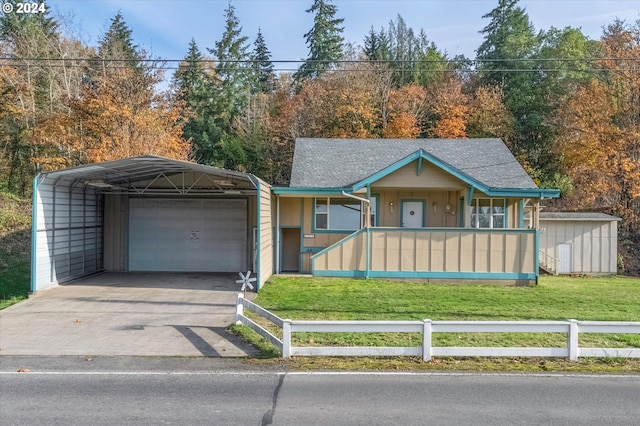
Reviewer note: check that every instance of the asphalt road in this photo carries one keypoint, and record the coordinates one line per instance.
(236, 397)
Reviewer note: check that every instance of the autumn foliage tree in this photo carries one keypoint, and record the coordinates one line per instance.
(406, 111)
(449, 110)
(118, 113)
(599, 138)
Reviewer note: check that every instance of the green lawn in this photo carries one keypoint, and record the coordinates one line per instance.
(555, 298)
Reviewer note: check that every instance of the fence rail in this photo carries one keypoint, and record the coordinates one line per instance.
(572, 328)
(243, 303)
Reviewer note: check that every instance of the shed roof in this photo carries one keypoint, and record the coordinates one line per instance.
(127, 170)
(338, 163)
(578, 216)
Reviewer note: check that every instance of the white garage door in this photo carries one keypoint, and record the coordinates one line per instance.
(187, 235)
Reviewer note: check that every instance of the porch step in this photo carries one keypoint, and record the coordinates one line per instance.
(547, 263)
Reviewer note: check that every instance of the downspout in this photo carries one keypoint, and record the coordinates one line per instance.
(367, 225)
(367, 219)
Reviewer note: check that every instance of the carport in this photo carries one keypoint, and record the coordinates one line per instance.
(148, 214)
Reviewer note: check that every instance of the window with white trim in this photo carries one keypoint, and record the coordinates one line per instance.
(341, 214)
(488, 213)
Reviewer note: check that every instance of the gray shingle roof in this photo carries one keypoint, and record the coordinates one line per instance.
(337, 163)
(578, 216)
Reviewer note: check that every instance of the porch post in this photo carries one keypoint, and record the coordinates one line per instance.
(536, 214)
(367, 224)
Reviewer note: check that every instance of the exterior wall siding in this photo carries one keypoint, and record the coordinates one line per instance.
(430, 177)
(390, 202)
(67, 234)
(266, 233)
(116, 232)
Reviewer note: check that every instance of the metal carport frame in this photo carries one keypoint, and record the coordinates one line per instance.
(69, 210)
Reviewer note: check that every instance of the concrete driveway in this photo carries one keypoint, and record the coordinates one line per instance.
(145, 314)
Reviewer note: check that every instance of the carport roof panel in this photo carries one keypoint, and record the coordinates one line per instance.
(141, 168)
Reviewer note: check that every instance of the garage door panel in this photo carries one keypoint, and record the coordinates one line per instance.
(187, 235)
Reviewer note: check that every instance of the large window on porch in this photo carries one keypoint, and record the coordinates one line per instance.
(488, 213)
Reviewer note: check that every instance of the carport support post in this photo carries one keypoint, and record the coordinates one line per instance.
(239, 308)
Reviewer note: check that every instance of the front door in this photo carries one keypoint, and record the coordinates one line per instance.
(412, 214)
(564, 259)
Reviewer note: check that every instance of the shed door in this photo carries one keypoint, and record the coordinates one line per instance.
(564, 259)
(187, 235)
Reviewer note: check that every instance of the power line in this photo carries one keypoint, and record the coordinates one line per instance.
(320, 61)
(122, 64)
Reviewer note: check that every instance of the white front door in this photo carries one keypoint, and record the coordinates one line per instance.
(412, 214)
(564, 259)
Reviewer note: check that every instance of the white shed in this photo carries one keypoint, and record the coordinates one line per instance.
(578, 243)
(148, 213)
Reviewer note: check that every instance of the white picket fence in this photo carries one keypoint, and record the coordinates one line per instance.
(572, 328)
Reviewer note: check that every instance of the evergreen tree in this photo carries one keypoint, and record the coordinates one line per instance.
(117, 42)
(372, 45)
(508, 38)
(413, 58)
(262, 66)
(231, 63)
(376, 45)
(430, 63)
(231, 92)
(505, 56)
(403, 47)
(324, 40)
(119, 60)
(194, 84)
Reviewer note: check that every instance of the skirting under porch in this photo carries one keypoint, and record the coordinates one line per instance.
(432, 253)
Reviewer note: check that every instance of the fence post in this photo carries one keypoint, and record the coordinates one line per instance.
(426, 340)
(573, 340)
(239, 308)
(286, 338)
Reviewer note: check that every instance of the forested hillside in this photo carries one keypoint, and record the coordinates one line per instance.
(567, 106)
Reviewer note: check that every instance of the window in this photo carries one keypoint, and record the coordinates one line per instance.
(341, 214)
(488, 213)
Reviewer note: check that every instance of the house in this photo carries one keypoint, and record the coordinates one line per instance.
(437, 209)
(579, 243)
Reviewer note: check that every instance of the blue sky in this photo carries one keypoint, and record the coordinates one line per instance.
(165, 27)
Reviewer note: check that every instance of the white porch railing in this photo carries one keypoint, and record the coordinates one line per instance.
(427, 327)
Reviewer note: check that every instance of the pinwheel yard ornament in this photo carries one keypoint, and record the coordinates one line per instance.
(246, 281)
